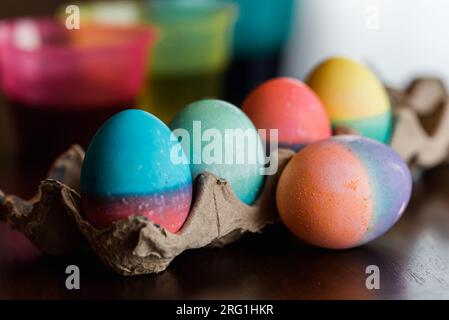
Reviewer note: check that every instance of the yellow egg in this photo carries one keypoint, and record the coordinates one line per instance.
(353, 97)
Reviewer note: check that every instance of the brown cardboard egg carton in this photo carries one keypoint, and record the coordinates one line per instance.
(421, 132)
(54, 221)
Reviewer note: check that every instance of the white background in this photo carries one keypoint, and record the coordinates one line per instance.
(397, 39)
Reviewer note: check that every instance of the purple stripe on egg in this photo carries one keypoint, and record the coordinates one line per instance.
(390, 178)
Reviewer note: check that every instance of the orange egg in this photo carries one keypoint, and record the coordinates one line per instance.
(291, 107)
(343, 192)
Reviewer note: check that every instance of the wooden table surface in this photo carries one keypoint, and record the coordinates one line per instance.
(413, 259)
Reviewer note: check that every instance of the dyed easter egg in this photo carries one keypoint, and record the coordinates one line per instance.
(219, 138)
(353, 97)
(128, 171)
(343, 192)
(289, 106)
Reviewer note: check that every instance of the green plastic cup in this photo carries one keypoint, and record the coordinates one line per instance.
(191, 53)
(194, 36)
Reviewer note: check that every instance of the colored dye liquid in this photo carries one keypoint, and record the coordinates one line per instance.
(167, 95)
(43, 133)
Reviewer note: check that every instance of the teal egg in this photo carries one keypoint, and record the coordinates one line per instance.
(128, 171)
(212, 133)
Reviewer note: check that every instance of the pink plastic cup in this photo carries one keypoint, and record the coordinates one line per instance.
(63, 84)
(3, 39)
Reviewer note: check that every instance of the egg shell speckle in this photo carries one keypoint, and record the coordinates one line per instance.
(128, 171)
(343, 192)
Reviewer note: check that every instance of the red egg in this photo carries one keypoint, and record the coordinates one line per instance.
(291, 107)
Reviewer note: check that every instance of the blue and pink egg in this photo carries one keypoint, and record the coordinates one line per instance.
(128, 171)
(343, 192)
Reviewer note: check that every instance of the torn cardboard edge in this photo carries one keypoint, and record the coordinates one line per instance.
(421, 132)
(53, 219)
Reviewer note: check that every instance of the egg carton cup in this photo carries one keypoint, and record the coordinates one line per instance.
(421, 133)
(54, 221)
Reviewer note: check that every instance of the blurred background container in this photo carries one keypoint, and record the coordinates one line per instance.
(62, 85)
(263, 27)
(191, 54)
(261, 32)
(192, 50)
(3, 39)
